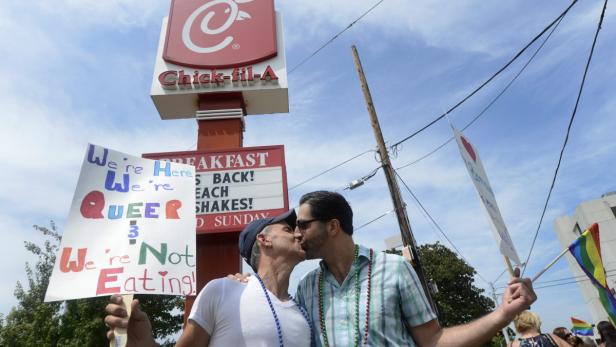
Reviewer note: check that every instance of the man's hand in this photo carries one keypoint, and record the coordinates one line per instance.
(518, 296)
(243, 278)
(138, 326)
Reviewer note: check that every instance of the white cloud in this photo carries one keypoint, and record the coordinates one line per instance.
(472, 26)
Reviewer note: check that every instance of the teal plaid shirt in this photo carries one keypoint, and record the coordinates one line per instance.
(397, 300)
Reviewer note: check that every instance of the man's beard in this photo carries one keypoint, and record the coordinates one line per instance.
(313, 246)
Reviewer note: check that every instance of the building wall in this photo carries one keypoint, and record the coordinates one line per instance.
(567, 229)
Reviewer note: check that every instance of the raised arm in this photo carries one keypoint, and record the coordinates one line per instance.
(518, 296)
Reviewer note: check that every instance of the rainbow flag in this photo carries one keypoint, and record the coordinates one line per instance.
(581, 328)
(587, 252)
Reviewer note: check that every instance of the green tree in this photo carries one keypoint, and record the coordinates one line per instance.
(71, 323)
(458, 300)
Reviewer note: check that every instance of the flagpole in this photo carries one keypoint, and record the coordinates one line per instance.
(550, 264)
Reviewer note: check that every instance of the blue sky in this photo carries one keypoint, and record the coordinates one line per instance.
(76, 72)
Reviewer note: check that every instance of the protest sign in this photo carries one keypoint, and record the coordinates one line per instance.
(482, 185)
(130, 230)
(235, 186)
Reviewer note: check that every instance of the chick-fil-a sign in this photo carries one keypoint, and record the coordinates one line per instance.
(220, 33)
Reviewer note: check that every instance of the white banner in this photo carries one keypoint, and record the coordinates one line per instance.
(130, 230)
(480, 180)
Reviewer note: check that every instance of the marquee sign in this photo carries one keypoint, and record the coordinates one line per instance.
(209, 46)
(236, 186)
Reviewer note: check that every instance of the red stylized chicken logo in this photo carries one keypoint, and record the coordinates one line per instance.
(220, 33)
(233, 14)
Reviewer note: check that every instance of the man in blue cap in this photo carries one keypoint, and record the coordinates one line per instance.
(229, 313)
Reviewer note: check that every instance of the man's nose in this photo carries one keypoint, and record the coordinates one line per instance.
(298, 234)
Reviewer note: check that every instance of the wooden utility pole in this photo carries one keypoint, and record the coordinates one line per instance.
(399, 206)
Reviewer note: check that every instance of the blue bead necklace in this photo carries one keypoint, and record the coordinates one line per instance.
(278, 328)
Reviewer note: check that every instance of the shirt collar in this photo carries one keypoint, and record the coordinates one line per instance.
(363, 255)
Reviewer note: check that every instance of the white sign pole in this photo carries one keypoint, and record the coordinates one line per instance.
(120, 335)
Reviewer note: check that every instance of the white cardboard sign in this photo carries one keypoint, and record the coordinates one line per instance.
(482, 185)
(130, 230)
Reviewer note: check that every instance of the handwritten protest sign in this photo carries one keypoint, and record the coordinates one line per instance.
(482, 185)
(235, 187)
(130, 230)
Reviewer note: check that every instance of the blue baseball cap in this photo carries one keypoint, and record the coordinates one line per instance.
(248, 236)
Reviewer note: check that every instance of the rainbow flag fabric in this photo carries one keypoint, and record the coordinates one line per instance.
(587, 252)
(581, 328)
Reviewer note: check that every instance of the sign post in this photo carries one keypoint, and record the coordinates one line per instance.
(218, 61)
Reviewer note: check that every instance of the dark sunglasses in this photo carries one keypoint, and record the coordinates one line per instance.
(304, 224)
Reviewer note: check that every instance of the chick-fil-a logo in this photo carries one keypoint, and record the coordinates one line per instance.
(232, 13)
(220, 33)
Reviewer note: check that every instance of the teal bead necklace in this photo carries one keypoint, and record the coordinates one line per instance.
(277, 321)
(357, 297)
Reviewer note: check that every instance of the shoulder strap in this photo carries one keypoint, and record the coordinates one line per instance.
(551, 339)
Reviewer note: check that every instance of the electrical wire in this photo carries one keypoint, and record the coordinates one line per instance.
(330, 169)
(373, 220)
(560, 157)
(515, 57)
(609, 274)
(363, 179)
(560, 284)
(485, 109)
(437, 225)
(335, 37)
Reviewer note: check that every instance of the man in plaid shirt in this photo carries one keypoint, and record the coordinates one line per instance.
(361, 297)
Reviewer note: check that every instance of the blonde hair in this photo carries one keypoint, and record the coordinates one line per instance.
(526, 321)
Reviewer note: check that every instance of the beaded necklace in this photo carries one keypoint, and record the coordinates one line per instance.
(277, 322)
(357, 297)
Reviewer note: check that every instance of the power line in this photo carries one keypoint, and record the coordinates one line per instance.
(489, 79)
(437, 225)
(335, 37)
(577, 277)
(330, 169)
(374, 220)
(560, 284)
(485, 109)
(562, 151)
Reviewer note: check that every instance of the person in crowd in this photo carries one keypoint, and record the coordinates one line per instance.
(562, 332)
(575, 341)
(361, 297)
(607, 334)
(228, 313)
(528, 326)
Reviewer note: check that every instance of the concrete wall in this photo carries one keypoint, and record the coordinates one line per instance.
(588, 212)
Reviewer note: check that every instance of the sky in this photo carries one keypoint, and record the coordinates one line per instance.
(79, 72)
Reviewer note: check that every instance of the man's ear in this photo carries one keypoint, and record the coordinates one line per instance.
(333, 227)
(263, 241)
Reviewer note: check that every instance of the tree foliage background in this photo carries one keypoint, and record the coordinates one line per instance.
(459, 300)
(76, 322)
